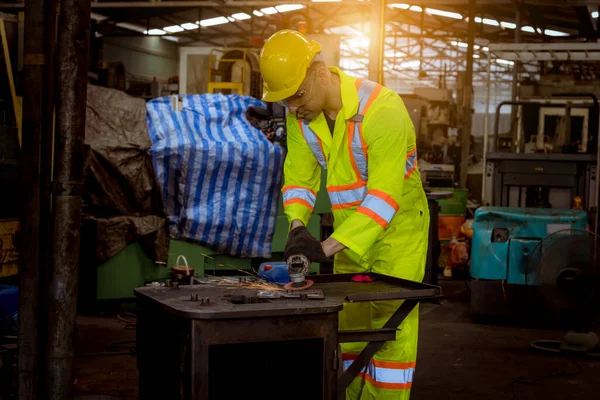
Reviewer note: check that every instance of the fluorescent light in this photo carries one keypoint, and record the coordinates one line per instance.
(463, 44)
(231, 19)
(173, 29)
(505, 62)
(171, 38)
(189, 26)
(416, 8)
(213, 21)
(595, 14)
(551, 32)
(528, 29)
(257, 13)
(401, 6)
(288, 7)
(156, 32)
(269, 10)
(131, 27)
(487, 21)
(508, 25)
(485, 48)
(241, 16)
(97, 17)
(491, 22)
(475, 55)
(443, 13)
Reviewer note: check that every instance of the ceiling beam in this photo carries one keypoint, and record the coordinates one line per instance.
(586, 27)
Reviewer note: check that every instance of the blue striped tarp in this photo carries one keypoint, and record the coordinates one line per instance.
(220, 177)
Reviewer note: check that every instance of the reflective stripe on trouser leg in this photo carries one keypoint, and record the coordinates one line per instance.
(390, 373)
(391, 255)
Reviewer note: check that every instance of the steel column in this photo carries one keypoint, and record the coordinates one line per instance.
(377, 40)
(72, 68)
(465, 140)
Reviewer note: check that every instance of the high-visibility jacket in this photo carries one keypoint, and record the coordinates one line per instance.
(380, 214)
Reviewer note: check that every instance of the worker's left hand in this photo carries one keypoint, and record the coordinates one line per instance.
(301, 242)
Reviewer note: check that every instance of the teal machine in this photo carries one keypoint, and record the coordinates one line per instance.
(503, 240)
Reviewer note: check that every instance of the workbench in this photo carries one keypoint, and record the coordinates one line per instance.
(207, 341)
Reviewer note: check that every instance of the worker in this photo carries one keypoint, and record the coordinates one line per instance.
(361, 134)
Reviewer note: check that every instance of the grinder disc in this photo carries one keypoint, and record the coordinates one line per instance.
(299, 285)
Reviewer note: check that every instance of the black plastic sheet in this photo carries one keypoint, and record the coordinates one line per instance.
(122, 202)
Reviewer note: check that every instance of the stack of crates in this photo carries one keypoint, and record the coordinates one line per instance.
(452, 215)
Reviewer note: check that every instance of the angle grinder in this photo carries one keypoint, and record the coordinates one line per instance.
(297, 267)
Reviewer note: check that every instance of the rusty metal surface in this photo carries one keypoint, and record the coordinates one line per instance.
(227, 303)
(231, 302)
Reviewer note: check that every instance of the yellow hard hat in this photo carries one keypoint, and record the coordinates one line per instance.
(284, 60)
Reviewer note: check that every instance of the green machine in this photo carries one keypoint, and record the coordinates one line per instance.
(131, 268)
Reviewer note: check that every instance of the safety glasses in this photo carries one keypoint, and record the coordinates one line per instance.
(301, 97)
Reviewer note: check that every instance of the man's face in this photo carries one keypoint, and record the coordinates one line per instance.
(307, 102)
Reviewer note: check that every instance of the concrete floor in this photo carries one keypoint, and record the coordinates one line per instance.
(457, 359)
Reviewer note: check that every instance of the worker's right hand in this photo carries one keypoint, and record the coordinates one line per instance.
(301, 242)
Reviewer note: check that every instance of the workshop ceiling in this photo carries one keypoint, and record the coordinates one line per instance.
(228, 22)
(438, 27)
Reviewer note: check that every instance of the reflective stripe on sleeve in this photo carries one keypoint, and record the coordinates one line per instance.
(379, 206)
(347, 198)
(299, 195)
(411, 163)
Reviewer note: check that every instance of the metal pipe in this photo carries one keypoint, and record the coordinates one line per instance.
(465, 142)
(515, 112)
(486, 127)
(29, 244)
(421, 44)
(72, 68)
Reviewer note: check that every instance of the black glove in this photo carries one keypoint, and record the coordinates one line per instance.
(301, 242)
